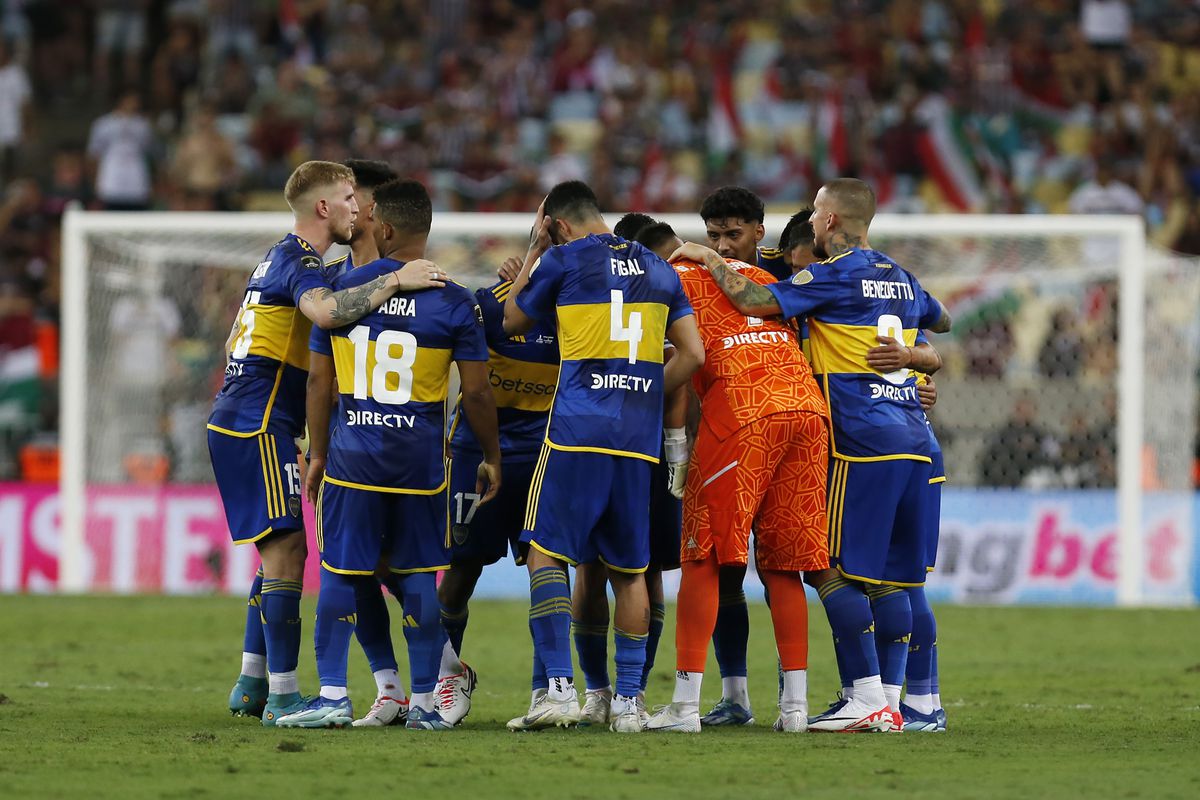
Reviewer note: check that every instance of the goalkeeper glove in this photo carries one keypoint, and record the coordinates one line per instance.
(676, 450)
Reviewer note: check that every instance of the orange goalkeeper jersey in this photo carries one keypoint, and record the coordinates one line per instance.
(755, 363)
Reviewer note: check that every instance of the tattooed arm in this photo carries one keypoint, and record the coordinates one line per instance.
(329, 309)
(747, 296)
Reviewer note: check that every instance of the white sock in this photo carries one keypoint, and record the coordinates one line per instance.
(387, 681)
(621, 704)
(795, 691)
(560, 689)
(870, 691)
(450, 662)
(734, 690)
(892, 692)
(687, 689)
(921, 703)
(254, 665)
(847, 692)
(937, 700)
(421, 700)
(282, 682)
(333, 692)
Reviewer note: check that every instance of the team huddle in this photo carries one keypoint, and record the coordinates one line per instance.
(629, 404)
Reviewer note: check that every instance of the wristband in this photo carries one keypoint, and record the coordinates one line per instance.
(675, 445)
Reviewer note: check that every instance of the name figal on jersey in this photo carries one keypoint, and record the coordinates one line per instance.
(379, 418)
(631, 383)
(887, 290)
(625, 267)
(399, 307)
(757, 337)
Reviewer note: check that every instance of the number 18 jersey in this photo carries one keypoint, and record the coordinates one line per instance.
(393, 369)
(613, 302)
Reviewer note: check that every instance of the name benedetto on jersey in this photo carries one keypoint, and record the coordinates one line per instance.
(265, 380)
(613, 302)
(393, 369)
(523, 373)
(848, 302)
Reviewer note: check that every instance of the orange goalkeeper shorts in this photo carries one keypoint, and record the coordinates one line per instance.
(769, 475)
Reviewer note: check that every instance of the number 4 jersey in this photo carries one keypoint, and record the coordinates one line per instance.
(393, 370)
(613, 302)
(849, 301)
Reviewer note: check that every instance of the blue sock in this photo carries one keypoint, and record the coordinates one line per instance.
(934, 684)
(658, 617)
(539, 669)
(840, 655)
(893, 629)
(454, 620)
(849, 614)
(336, 619)
(732, 634)
(281, 623)
(550, 619)
(422, 630)
(591, 643)
(631, 660)
(918, 675)
(255, 639)
(374, 629)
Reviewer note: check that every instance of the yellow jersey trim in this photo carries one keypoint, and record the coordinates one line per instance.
(385, 489)
(832, 259)
(570, 561)
(875, 582)
(938, 480)
(623, 569)
(440, 568)
(335, 570)
(603, 450)
(256, 538)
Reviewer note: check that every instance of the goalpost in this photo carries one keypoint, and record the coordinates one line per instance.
(177, 277)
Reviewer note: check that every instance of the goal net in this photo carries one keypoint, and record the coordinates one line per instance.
(1067, 408)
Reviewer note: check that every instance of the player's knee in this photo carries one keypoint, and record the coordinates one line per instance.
(458, 583)
(820, 577)
(731, 578)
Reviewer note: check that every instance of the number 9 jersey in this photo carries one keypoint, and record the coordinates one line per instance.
(613, 302)
(393, 369)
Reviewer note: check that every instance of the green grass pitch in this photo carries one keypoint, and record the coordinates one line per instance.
(125, 698)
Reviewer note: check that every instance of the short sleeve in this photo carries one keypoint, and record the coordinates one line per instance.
(470, 343)
(921, 338)
(319, 341)
(680, 305)
(808, 291)
(540, 296)
(305, 272)
(931, 309)
(493, 315)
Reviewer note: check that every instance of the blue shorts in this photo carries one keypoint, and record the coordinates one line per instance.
(932, 509)
(359, 528)
(877, 520)
(486, 533)
(666, 521)
(259, 482)
(585, 506)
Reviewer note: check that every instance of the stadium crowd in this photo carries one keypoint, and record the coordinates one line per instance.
(944, 105)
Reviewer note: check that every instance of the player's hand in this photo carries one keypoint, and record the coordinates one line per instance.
(312, 481)
(927, 394)
(489, 476)
(889, 356)
(510, 269)
(420, 274)
(691, 251)
(539, 236)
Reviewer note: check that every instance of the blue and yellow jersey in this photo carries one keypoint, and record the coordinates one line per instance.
(523, 372)
(612, 302)
(264, 381)
(335, 268)
(935, 447)
(849, 301)
(393, 372)
(771, 259)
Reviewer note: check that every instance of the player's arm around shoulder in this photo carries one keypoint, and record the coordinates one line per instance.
(330, 308)
(747, 296)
